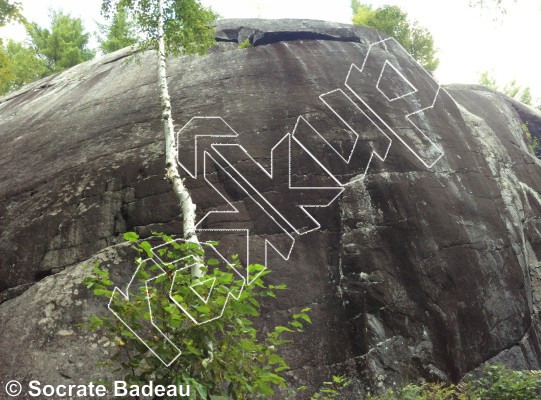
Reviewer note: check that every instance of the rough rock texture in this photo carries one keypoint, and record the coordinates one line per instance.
(414, 273)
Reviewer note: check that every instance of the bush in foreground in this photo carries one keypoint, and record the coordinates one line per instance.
(497, 382)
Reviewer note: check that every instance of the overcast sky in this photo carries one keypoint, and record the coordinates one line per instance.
(469, 40)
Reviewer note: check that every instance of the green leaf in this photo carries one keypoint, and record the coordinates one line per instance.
(265, 389)
(147, 247)
(203, 309)
(103, 292)
(254, 302)
(276, 359)
(131, 236)
(280, 329)
(200, 389)
(192, 349)
(99, 272)
(296, 324)
(95, 322)
(305, 317)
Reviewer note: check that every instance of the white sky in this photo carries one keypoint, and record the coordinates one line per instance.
(469, 40)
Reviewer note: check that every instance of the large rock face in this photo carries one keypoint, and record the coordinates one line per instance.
(425, 268)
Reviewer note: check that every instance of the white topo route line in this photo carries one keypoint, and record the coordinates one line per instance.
(362, 83)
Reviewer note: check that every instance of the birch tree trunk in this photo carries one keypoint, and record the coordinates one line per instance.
(171, 150)
(186, 204)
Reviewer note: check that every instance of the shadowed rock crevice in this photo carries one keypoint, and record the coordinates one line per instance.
(262, 32)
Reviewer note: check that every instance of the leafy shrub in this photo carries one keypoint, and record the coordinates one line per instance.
(245, 45)
(425, 391)
(501, 383)
(331, 390)
(225, 358)
(497, 382)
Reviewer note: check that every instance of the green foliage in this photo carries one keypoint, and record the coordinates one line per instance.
(10, 11)
(226, 358)
(511, 89)
(394, 22)
(54, 50)
(27, 66)
(501, 383)
(331, 390)
(425, 391)
(6, 72)
(532, 141)
(497, 382)
(526, 96)
(245, 45)
(64, 45)
(19, 65)
(118, 34)
(188, 25)
(486, 80)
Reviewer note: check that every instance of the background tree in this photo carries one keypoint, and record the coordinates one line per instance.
(526, 96)
(486, 80)
(49, 51)
(10, 11)
(172, 27)
(511, 89)
(117, 35)
(19, 65)
(188, 25)
(394, 22)
(6, 72)
(64, 45)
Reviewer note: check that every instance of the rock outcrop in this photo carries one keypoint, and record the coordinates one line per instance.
(425, 267)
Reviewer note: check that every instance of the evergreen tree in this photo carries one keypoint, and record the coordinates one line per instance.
(119, 34)
(64, 45)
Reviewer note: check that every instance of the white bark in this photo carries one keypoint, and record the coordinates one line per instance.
(171, 150)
